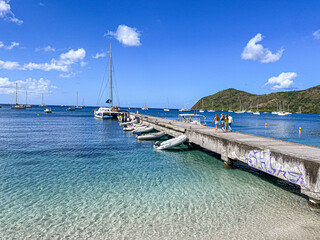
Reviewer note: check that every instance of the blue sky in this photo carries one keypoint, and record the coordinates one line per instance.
(180, 50)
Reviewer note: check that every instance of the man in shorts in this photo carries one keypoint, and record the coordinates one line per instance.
(230, 121)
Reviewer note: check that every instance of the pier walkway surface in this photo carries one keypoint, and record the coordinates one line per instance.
(292, 162)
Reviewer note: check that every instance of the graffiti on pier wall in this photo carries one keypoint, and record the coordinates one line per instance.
(263, 161)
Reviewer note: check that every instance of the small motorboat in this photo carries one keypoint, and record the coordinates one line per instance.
(150, 136)
(128, 123)
(128, 128)
(145, 129)
(256, 113)
(47, 110)
(71, 109)
(171, 143)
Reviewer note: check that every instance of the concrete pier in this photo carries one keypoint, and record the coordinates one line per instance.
(292, 162)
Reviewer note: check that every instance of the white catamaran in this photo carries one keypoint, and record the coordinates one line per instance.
(110, 111)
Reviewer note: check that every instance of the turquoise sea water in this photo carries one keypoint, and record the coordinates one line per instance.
(67, 175)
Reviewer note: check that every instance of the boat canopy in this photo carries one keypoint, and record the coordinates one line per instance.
(191, 115)
(196, 119)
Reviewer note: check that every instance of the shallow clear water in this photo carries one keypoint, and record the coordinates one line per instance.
(67, 175)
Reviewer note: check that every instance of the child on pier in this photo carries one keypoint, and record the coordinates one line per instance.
(226, 123)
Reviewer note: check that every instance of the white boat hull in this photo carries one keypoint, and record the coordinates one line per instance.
(151, 136)
(143, 130)
(171, 143)
(128, 123)
(106, 113)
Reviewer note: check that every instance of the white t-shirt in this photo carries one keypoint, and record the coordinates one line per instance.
(230, 119)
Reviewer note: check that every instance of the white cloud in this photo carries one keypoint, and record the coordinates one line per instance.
(9, 65)
(257, 52)
(100, 55)
(67, 75)
(63, 64)
(7, 14)
(72, 57)
(46, 49)
(33, 86)
(283, 81)
(53, 65)
(316, 34)
(82, 63)
(13, 44)
(126, 35)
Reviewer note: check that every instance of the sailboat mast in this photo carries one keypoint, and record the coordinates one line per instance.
(77, 100)
(110, 87)
(26, 97)
(42, 100)
(16, 93)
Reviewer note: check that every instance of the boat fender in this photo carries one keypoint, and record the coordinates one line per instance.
(157, 144)
(138, 133)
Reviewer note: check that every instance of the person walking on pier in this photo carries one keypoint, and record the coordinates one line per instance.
(216, 121)
(226, 123)
(230, 120)
(222, 119)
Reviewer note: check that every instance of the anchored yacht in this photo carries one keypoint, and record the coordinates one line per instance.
(108, 111)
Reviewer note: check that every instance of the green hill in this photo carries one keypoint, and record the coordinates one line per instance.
(308, 99)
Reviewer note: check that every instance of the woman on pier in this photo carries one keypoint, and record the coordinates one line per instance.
(216, 121)
(222, 119)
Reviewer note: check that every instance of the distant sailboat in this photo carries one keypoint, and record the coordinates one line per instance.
(42, 104)
(167, 109)
(77, 107)
(240, 109)
(288, 113)
(201, 110)
(27, 105)
(83, 105)
(257, 112)
(184, 109)
(276, 112)
(144, 107)
(250, 111)
(212, 109)
(299, 110)
(17, 106)
(281, 113)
